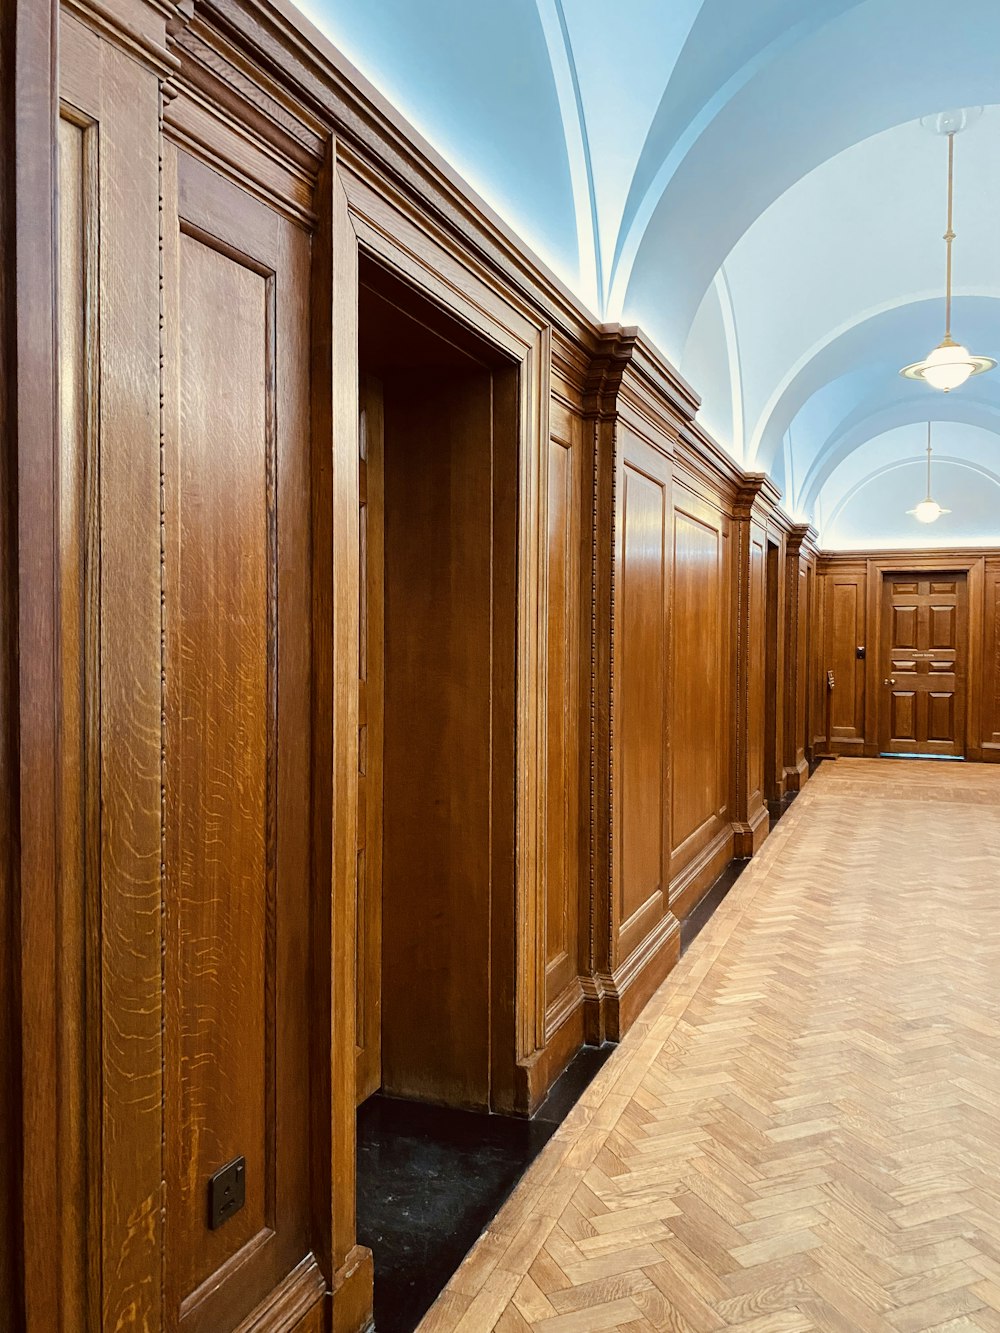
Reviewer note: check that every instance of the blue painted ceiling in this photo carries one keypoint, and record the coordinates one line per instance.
(748, 180)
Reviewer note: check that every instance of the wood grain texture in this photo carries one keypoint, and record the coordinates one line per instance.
(701, 707)
(923, 653)
(237, 742)
(438, 781)
(794, 1136)
(563, 745)
(642, 606)
(371, 708)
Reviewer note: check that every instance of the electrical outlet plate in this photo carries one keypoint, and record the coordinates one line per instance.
(227, 1192)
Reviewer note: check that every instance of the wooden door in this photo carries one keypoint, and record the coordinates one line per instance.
(923, 651)
(371, 638)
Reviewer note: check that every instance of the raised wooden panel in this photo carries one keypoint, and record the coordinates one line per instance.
(845, 630)
(943, 626)
(236, 763)
(642, 576)
(946, 586)
(990, 693)
(700, 673)
(940, 716)
(903, 717)
(562, 827)
(904, 625)
(640, 695)
(758, 719)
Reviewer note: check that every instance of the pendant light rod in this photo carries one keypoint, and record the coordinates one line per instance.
(949, 235)
(949, 364)
(928, 460)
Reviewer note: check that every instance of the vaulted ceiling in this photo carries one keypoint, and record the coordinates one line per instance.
(750, 183)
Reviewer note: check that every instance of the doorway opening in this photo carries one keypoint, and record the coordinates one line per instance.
(923, 652)
(438, 445)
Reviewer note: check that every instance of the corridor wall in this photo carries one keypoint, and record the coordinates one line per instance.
(192, 185)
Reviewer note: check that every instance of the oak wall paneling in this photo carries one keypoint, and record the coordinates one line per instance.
(110, 631)
(701, 696)
(266, 166)
(30, 1199)
(844, 629)
(237, 600)
(755, 506)
(630, 400)
(799, 557)
(445, 601)
(567, 845)
(989, 731)
(347, 1267)
(641, 759)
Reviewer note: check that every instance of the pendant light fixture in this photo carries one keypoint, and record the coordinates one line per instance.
(928, 511)
(950, 364)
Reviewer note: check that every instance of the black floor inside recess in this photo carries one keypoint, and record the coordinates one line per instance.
(430, 1179)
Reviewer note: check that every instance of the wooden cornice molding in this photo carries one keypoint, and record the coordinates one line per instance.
(284, 44)
(800, 535)
(143, 33)
(757, 490)
(921, 558)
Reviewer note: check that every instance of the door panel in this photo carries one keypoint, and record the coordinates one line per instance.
(923, 656)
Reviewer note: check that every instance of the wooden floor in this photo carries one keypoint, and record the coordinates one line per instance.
(802, 1132)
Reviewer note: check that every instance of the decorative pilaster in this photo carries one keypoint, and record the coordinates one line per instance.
(757, 496)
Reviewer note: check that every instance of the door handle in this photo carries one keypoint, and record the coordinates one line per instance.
(889, 680)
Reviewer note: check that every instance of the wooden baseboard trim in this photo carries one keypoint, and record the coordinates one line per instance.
(689, 885)
(565, 1034)
(615, 1000)
(294, 1306)
(750, 836)
(351, 1308)
(797, 777)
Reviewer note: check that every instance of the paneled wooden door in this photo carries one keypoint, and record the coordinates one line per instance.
(371, 636)
(923, 653)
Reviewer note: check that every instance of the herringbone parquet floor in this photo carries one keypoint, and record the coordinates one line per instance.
(803, 1130)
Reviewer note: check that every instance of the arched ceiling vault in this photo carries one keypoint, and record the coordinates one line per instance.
(748, 182)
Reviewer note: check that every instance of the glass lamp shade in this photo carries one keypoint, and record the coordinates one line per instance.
(928, 511)
(948, 367)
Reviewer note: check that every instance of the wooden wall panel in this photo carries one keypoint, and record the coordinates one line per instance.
(990, 695)
(642, 603)
(237, 651)
(563, 748)
(440, 789)
(758, 670)
(844, 628)
(700, 705)
(798, 669)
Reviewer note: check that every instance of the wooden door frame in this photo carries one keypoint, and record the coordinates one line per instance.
(926, 562)
(518, 924)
